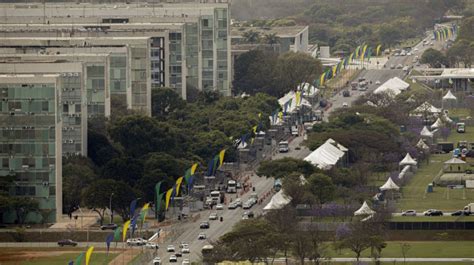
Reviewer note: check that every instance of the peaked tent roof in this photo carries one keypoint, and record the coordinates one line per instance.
(364, 210)
(427, 107)
(325, 156)
(309, 90)
(449, 96)
(455, 161)
(426, 132)
(392, 86)
(422, 145)
(389, 185)
(408, 160)
(292, 96)
(278, 201)
(447, 119)
(437, 124)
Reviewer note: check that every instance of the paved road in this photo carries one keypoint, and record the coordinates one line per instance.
(191, 230)
(426, 260)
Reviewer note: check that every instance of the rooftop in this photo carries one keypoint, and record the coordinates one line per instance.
(279, 31)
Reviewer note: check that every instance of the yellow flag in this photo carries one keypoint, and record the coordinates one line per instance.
(168, 197)
(298, 97)
(280, 115)
(334, 69)
(260, 115)
(146, 206)
(193, 168)
(221, 156)
(89, 254)
(321, 79)
(377, 52)
(254, 128)
(363, 53)
(126, 225)
(178, 184)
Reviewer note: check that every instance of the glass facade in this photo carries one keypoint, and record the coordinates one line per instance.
(71, 99)
(221, 34)
(207, 45)
(157, 61)
(138, 77)
(28, 140)
(192, 55)
(95, 87)
(118, 74)
(175, 63)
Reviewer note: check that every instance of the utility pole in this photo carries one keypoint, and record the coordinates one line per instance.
(110, 208)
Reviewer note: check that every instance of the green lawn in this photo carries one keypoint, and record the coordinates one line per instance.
(61, 259)
(459, 113)
(455, 137)
(432, 218)
(421, 249)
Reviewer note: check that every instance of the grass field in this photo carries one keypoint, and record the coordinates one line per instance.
(48, 257)
(432, 218)
(440, 249)
(467, 136)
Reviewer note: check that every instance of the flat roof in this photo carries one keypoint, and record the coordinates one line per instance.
(447, 73)
(290, 31)
(28, 78)
(40, 67)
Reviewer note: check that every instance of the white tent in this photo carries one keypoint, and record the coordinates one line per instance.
(449, 96)
(427, 107)
(404, 172)
(411, 99)
(308, 89)
(425, 132)
(278, 201)
(290, 101)
(408, 160)
(364, 210)
(327, 155)
(389, 185)
(393, 86)
(454, 161)
(447, 119)
(437, 124)
(422, 145)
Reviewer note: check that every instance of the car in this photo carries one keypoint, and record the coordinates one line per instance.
(156, 261)
(151, 245)
(433, 212)
(392, 66)
(202, 236)
(399, 66)
(461, 213)
(396, 54)
(409, 213)
(249, 214)
(170, 248)
(247, 206)
(185, 250)
(345, 105)
(245, 217)
(409, 54)
(108, 227)
(173, 258)
(377, 82)
(346, 93)
(213, 216)
(67, 242)
(232, 206)
(238, 202)
(179, 254)
(183, 245)
(204, 225)
(219, 207)
(185, 262)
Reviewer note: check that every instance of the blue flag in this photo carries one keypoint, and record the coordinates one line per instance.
(71, 263)
(133, 206)
(109, 240)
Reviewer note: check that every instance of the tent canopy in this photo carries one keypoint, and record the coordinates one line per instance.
(389, 185)
(364, 210)
(454, 161)
(393, 86)
(278, 201)
(290, 100)
(422, 145)
(308, 89)
(425, 132)
(449, 96)
(427, 107)
(437, 124)
(408, 160)
(327, 155)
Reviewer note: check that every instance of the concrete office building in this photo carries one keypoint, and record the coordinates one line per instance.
(31, 141)
(189, 43)
(73, 99)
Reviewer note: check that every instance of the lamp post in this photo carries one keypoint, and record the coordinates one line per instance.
(110, 208)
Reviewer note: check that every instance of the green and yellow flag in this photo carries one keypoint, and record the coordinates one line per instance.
(377, 52)
(193, 168)
(321, 79)
(364, 50)
(168, 198)
(221, 156)
(79, 259)
(89, 254)
(298, 97)
(178, 185)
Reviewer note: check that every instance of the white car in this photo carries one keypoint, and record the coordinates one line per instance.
(245, 217)
(184, 245)
(377, 82)
(156, 261)
(202, 236)
(136, 241)
(185, 250)
(213, 216)
(238, 202)
(232, 206)
(185, 262)
(170, 248)
(219, 207)
(345, 105)
(409, 213)
(246, 206)
(151, 245)
(173, 258)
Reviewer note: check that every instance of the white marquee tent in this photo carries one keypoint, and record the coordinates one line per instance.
(426, 107)
(327, 155)
(425, 132)
(393, 86)
(389, 185)
(449, 96)
(290, 100)
(408, 161)
(364, 210)
(309, 90)
(278, 201)
(437, 124)
(422, 145)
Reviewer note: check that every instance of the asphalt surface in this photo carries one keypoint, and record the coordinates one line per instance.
(217, 228)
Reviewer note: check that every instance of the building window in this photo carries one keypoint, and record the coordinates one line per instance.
(205, 23)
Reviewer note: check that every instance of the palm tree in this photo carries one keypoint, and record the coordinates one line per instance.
(271, 38)
(251, 36)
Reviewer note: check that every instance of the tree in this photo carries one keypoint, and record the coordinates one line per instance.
(434, 58)
(251, 36)
(164, 101)
(282, 221)
(76, 177)
(389, 35)
(281, 168)
(22, 206)
(99, 148)
(126, 169)
(404, 248)
(321, 187)
(271, 38)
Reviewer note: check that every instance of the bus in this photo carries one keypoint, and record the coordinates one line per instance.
(206, 252)
(283, 147)
(215, 196)
(231, 186)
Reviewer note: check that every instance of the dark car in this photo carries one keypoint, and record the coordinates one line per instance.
(434, 213)
(67, 242)
(204, 225)
(461, 213)
(108, 227)
(346, 93)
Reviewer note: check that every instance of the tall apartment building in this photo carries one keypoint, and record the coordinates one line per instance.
(188, 43)
(31, 141)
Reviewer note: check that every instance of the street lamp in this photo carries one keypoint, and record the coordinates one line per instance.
(110, 208)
